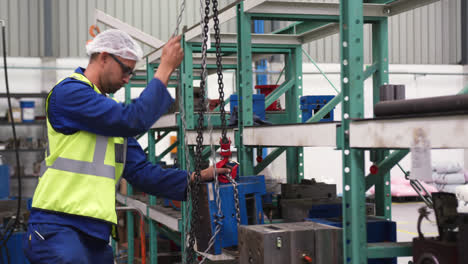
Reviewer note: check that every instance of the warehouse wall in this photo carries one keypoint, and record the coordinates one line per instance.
(59, 28)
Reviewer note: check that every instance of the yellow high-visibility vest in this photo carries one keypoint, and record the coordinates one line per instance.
(80, 171)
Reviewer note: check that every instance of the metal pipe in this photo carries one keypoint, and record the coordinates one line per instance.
(430, 105)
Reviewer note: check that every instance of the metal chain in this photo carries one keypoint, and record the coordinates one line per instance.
(179, 18)
(236, 197)
(219, 214)
(199, 147)
(219, 71)
(188, 227)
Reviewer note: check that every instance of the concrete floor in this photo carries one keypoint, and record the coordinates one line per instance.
(406, 215)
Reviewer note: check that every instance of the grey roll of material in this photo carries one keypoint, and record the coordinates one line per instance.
(390, 92)
(430, 105)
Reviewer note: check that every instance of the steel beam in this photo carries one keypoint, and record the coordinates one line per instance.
(137, 34)
(303, 7)
(277, 39)
(157, 213)
(384, 167)
(296, 135)
(299, 7)
(445, 132)
(319, 33)
(268, 160)
(401, 6)
(286, 86)
(389, 249)
(301, 27)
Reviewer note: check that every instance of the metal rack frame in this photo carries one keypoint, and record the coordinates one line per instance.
(313, 21)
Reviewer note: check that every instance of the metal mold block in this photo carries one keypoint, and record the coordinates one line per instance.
(290, 243)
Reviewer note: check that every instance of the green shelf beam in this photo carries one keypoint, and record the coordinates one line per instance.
(283, 88)
(389, 250)
(370, 70)
(325, 109)
(268, 159)
(166, 151)
(301, 27)
(385, 166)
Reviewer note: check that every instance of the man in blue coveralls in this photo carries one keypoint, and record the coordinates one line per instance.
(91, 146)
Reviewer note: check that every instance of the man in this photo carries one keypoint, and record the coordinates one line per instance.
(91, 145)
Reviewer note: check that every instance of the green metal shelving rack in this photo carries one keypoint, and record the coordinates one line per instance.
(312, 21)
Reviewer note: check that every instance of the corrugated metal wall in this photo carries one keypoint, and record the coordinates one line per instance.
(430, 34)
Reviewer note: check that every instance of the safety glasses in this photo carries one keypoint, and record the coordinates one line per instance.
(127, 71)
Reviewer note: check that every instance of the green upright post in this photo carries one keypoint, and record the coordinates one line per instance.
(294, 155)
(187, 85)
(153, 245)
(383, 198)
(354, 211)
(244, 88)
(152, 200)
(130, 219)
(186, 94)
(183, 165)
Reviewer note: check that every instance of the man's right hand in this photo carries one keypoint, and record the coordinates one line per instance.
(172, 55)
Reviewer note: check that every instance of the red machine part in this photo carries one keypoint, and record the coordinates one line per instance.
(374, 169)
(266, 90)
(306, 258)
(225, 162)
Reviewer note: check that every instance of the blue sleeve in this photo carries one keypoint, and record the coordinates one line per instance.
(152, 179)
(73, 106)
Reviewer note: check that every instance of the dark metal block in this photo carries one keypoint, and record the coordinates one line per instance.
(432, 250)
(290, 243)
(295, 210)
(316, 191)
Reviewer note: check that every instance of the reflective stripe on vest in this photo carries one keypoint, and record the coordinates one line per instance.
(95, 168)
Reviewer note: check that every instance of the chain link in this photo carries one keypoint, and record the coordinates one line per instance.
(219, 71)
(236, 197)
(195, 188)
(179, 18)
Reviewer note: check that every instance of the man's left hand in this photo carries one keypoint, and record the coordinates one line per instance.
(209, 173)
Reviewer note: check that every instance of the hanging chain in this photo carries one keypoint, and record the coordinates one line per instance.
(188, 227)
(219, 71)
(179, 18)
(199, 147)
(236, 197)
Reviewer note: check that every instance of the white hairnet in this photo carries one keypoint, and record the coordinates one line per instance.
(115, 42)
